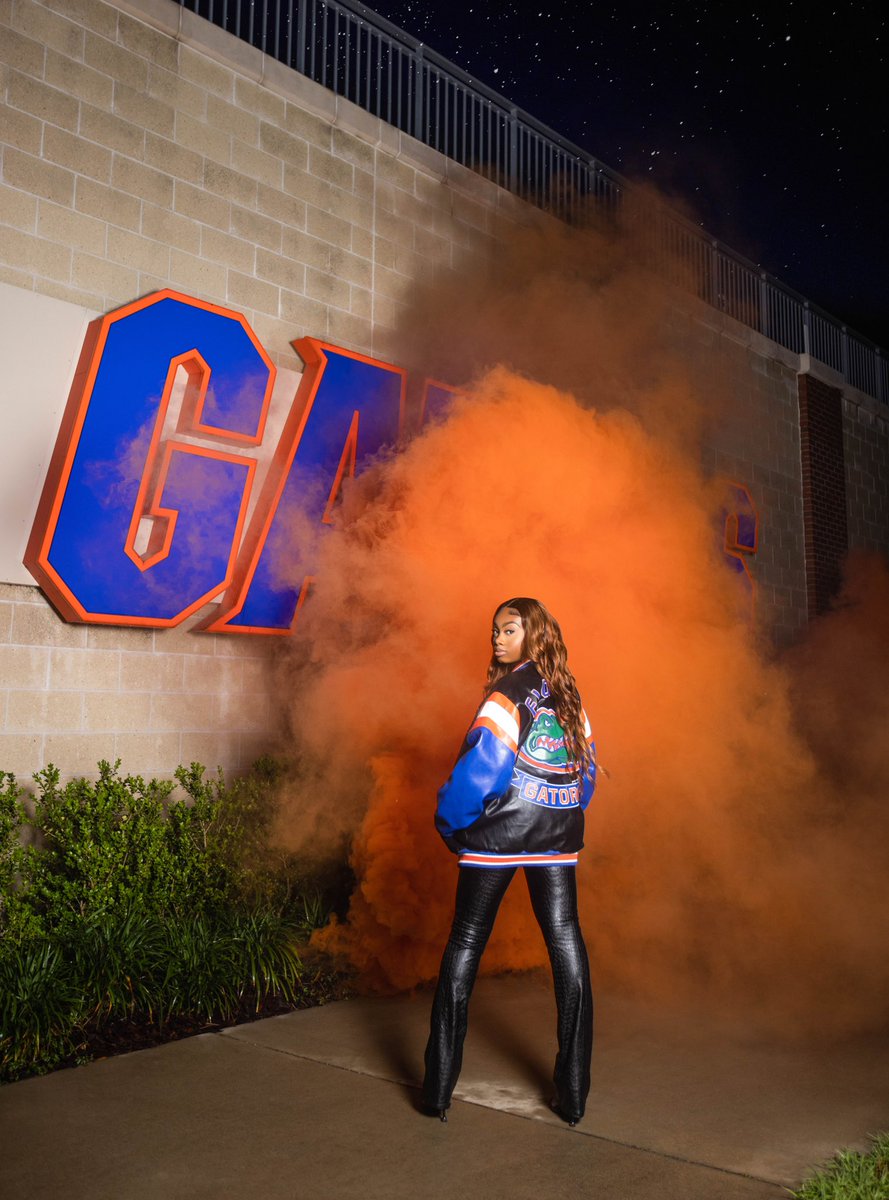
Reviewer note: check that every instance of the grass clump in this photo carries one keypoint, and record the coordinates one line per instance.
(852, 1175)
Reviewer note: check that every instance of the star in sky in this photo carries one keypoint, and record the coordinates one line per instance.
(769, 120)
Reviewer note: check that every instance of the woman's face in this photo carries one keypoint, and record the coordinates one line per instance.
(507, 636)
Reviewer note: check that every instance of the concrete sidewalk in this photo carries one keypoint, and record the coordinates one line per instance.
(321, 1105)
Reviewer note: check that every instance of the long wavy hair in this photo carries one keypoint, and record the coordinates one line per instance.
(545, 646)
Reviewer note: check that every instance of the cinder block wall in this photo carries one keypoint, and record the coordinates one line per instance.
(144, 148)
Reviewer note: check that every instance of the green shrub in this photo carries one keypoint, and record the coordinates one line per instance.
(131, 903)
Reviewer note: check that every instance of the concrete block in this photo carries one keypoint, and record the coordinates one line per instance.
(257, 165)
(260, 100)
(354, 209)
(71, 295)
(198, 205)
(308, 317)
(68, 228)
(229, 184)
(25, 252)
(364, 185)
(78, 80)
(100, 18)
(400, 174)
(213, 674)
(195, 134)
(327, 288)
(258, 674)
(140, 253)
(210, 40)
(168, 227)
(350, 268)
(24, 666)
(390, 283)
(21, 130)
(31, 174)
(76, 754)
(361, 303)
(43, 712)
(210, 76)
(356, 333)
(197, 277)
(302, 247)
(166, 155)
(157, 46)
(184, 96)
(178, 713)
(19, 208)
(118, 283)
(119, 637)
(345, 145)
(259, 230)
(394, 230)
(104, 128)
(308, 188)
(235, 714)
(247, 292)
(135, 105)
(5, 621)
(231, 251)
(23, 53)
(316, 130)
(298, 90)
(280, 206)
(50, 29)
(362, 242)
(113, 711)
(328, 228)
(224, 117)
(280, 270)
(182, 640)
(324, 166)
(138, 180)
(108, 204)
(290, 149)
(82, 669)
(155, 754)
(115, 60)
(152, 672)
(214, 750)
(77, 154)
(21, 753)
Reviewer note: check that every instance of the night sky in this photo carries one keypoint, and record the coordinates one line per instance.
(769, 120)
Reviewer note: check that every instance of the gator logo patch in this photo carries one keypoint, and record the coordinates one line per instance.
(545, 744)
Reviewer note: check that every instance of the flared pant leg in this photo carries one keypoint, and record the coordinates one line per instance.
(553, 892)
(479, 892)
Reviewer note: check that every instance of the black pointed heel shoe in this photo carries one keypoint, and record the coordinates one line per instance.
(570, 1121)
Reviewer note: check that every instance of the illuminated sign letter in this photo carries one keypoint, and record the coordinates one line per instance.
(133, 529)
(347, 409)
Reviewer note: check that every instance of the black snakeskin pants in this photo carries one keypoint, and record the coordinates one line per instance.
(553, 893)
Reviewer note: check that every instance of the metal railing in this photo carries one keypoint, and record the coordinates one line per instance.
(357, 54)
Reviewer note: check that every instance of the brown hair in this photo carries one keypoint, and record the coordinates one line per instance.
(545, 647)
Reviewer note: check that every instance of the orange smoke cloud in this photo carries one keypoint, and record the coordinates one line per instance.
(724, 861)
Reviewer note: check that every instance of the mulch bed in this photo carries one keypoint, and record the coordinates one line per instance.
(123, 1035)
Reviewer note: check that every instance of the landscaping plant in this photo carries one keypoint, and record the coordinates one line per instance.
(119, 901)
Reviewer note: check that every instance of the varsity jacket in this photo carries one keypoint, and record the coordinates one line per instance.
(513, 798)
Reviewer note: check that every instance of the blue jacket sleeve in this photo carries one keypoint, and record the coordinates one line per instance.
(481, 773)
(588, 781)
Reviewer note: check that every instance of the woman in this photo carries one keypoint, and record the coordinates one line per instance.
(516, 798)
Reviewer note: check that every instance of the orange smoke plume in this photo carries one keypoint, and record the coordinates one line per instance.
(728, 857)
